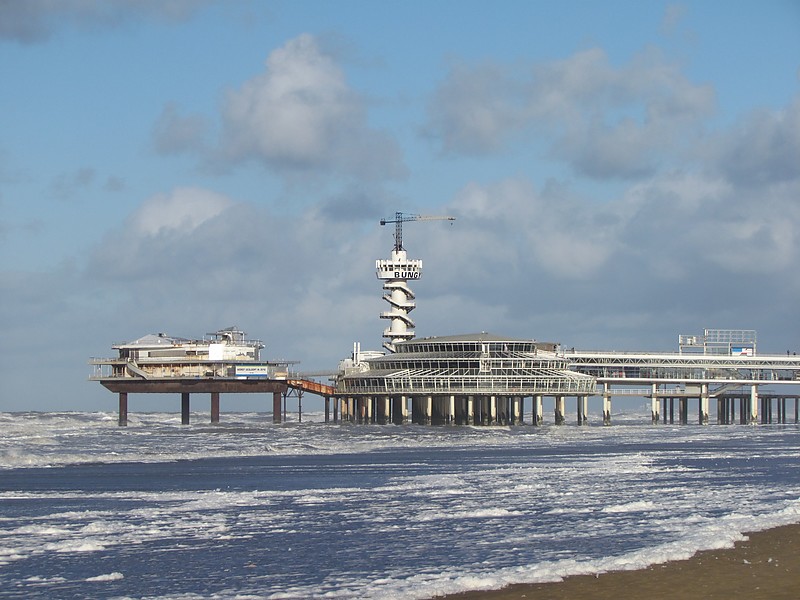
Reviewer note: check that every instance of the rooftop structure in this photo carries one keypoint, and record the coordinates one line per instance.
(730, 342)
(224, 353)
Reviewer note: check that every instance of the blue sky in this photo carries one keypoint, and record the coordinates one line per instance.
(621, 173)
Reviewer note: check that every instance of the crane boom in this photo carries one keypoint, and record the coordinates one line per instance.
(400, 218)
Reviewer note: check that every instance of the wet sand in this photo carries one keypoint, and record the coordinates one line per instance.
(764, 567)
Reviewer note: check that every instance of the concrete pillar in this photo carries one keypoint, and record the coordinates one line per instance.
(451, 413)
(399, 410)
(606, 404)
(470, 410)
(386, 411)
(654, 412)
(516, 410)
(360, 410)
(703, 414)
(538, 409)
(184, 408)
(368, 401)
(123, 409)
(215, 407)
(583, 409)
(428, 409)
(559, 410)
(753, 415)
(492, 410)
(482, 410)
(277, 414)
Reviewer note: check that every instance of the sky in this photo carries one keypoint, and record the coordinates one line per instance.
(621, 172)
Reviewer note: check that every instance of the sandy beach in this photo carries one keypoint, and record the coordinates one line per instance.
(764, 567)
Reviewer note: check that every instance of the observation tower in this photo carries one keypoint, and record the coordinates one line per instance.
(395, 273)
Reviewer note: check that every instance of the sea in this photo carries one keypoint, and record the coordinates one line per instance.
(247, 509)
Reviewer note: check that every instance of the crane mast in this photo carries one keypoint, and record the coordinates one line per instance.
(400, 218)
(395, 274)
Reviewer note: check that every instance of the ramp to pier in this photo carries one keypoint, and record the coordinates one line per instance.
(313, 387)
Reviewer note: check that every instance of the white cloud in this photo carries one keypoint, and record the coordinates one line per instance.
(181, 211)
(531, 231)
(763, 150)
(300, 113)
(605, 121)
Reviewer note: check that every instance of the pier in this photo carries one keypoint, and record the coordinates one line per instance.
(472, 379)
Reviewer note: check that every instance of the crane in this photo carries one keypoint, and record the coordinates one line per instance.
(400, 218)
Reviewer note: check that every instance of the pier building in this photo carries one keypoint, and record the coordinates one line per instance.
(222, 362)
(461, 379)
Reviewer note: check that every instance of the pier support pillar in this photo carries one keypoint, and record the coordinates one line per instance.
(516, 410)
(276, 407)
(123, 409)
(184, 408)
(215, 407)
(327, 409)
(703, 416)
(683, 410)
(654, 412)
(385, 410)
(399, 410)
(492, 409)
(606, 404)
(560, 402)
(451, 413)
(583, 409)
(538, 409)
(753, 413)
(470, 410)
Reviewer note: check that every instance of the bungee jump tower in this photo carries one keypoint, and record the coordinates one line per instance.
(395, 274)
